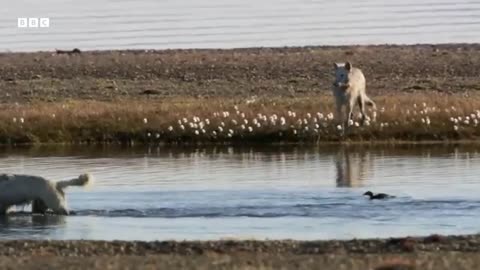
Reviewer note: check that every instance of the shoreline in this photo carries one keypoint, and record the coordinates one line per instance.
(235, 73)
(224, 121)
(431, 252)
(139, 97)
(434, 242)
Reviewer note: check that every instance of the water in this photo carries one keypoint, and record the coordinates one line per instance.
(243, 193)
(153, 24)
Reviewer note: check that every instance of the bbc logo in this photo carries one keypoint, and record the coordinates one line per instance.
(33, 22)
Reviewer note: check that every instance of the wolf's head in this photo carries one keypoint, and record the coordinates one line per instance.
(342, 72)
(53, 199)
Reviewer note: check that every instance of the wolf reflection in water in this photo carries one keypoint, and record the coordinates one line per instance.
(352, 167)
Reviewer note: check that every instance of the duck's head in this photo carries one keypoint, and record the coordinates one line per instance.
(368, 193)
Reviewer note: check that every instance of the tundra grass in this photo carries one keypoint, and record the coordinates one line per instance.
(223, 120)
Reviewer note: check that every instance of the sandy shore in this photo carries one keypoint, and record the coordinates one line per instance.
(433, 252)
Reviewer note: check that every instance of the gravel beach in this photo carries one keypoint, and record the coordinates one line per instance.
(262, 72)
(432, 252)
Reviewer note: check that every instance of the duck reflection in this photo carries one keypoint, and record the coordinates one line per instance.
(352, 166)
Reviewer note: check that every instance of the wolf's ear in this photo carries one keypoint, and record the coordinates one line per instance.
(348, 66)
(335, 65)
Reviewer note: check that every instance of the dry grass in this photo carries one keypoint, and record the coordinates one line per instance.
(174, 120)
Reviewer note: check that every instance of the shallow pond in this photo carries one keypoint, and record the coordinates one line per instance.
(273, 192)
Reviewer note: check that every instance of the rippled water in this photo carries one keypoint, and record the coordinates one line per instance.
(269, 192)
(108, 24)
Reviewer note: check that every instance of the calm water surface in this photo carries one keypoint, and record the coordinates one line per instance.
(273, 192)
(153, 24)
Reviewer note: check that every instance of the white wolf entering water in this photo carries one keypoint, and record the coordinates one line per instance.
(349, 89)
(18, 189)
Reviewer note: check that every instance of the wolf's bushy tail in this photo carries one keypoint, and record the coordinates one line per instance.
(82, 180)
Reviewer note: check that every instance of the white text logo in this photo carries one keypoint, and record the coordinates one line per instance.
(33, 22)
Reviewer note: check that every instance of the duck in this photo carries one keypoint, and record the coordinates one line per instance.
(378, 196)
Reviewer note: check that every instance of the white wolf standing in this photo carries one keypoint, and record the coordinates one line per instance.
(349, 89)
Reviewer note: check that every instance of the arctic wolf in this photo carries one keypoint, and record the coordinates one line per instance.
(18, 189)
(349, 89)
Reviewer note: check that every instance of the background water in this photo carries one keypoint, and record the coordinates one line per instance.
(268, 192)
(153, 24)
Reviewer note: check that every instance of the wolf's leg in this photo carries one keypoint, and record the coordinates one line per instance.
(339, 104)
(3, 210)
(361, 104)
(350, 106)
(369, 102)
(39, 207)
